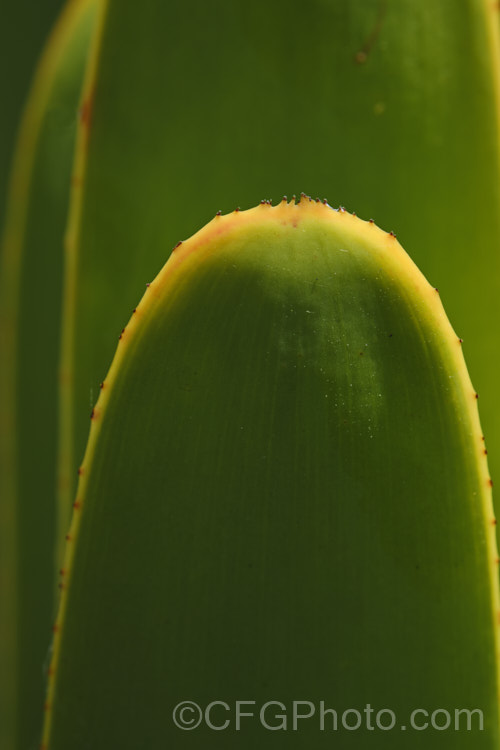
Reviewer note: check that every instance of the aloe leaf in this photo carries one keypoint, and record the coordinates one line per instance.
(30, 302)
(389, 107)
(284, 497)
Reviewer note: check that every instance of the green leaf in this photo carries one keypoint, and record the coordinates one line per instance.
(390, 108)
(23, 28)
(30, 306)
(284, 497)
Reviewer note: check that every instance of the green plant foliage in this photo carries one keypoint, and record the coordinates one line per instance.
(391, 108)
(284, 494)
(24, 25)
(388, 107)
(30, 305)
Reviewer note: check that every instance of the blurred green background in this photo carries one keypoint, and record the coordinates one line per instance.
(23, 32)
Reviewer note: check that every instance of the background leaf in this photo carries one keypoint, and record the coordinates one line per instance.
(30, 306)
(23, 28)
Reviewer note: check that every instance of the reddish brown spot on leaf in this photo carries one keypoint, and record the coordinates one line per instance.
(86, 111)
(77, 505)
(362, 55)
